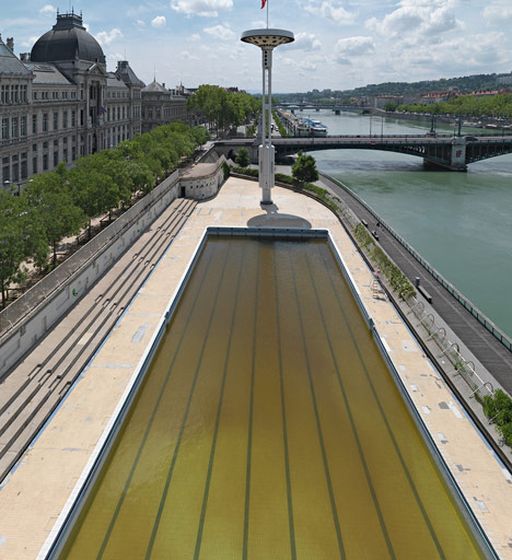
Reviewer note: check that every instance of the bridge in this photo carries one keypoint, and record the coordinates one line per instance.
(336, 107)
(454, 153)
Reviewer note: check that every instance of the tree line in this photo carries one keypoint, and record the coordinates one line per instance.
(499, 105)
(61, 203)
(223, 109)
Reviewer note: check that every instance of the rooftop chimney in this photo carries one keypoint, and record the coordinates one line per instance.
(10, 43)
(163, 84)
(25, 57)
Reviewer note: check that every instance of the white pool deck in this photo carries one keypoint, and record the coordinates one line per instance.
(33, 497)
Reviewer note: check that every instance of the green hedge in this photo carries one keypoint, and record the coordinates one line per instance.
(250, 171)
(397, 279)
(498, 408)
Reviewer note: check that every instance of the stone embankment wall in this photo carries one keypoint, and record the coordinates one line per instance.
(29, 318)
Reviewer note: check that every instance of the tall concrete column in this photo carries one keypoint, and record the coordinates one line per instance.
(267, 40)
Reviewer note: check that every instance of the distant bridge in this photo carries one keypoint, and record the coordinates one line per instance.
(336, 107)
(449, 152)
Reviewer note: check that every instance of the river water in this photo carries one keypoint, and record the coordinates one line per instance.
(460, 222)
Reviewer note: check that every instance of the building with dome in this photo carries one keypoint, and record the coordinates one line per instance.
(59, 102)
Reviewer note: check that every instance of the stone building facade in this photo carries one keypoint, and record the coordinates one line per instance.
(161, 105)
(59, 102)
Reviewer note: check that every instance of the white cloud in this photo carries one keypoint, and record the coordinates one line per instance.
(159, 22)
(107, 37)
(28, 44)
(330, 9)
(306, 42)
(417, 19)
(194, 38)
(203, 8)
(48, 9)
(220, 32)
(188, 56)
(497, 12)
(141, 23)
(353, 47)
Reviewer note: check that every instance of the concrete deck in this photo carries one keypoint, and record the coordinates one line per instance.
(33, 497)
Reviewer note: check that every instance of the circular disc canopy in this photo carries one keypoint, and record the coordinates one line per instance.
(267, 37)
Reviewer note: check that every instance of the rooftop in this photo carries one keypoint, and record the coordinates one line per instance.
(67, 40)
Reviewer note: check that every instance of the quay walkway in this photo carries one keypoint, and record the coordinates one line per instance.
(493, 354)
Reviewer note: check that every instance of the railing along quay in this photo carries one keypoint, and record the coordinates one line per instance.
(496, 353)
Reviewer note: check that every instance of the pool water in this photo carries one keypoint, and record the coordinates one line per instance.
(269, 427)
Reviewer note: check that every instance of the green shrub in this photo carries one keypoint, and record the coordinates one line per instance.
(498, 408)
(226, 170)
(250, 171)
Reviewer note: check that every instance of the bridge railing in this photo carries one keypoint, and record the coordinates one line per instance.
(479, 316)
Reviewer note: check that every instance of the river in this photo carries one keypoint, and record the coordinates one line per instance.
(460, 222)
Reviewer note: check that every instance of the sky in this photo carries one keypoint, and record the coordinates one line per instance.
(340, 44)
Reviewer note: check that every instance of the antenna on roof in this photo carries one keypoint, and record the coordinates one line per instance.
(154, 73)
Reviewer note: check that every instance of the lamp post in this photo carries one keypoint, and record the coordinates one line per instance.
(267, 40)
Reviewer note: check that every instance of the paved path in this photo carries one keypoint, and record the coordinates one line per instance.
(34, 497)
(489, 351)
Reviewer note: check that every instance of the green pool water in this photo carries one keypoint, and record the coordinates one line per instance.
(269, 427)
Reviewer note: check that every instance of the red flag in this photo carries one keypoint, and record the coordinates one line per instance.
(263, 2)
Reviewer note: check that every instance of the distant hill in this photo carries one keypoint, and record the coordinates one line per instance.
(463, 84)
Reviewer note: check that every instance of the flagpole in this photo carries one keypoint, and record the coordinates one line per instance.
(267, 12)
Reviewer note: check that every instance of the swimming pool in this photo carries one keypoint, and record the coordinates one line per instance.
(269, 426)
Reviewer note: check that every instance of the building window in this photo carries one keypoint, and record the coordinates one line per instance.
(24, 167)
(3, 95)
(34, 165)
(34, 124)
(55, 159)
(55, 121)
(23, 126)
(73, 118)
(6, 169)
(45, 122)
(15, 127)
(5, 128)
(65, 120)
(45, 162)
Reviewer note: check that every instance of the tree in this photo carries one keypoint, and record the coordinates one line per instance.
(304, 169)
(48, 195)
(21, 237)
(242, 158)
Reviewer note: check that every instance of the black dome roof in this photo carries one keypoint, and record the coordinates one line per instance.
(67, 40)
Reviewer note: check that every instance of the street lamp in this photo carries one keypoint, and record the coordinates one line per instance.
(267, 40)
